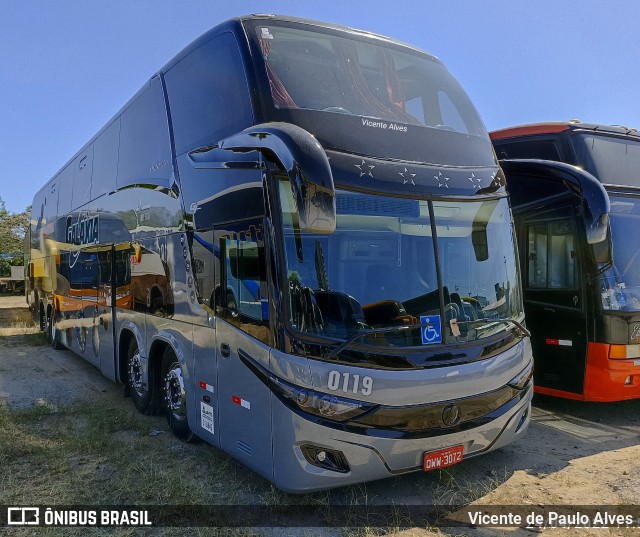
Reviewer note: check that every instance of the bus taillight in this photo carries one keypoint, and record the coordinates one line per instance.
(623, 352)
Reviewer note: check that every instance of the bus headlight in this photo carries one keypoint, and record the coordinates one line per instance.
(324, 405)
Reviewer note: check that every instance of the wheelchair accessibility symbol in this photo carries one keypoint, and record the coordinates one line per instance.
(431, 329)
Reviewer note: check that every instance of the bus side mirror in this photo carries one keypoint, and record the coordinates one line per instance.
(595, 214)
(594, 200)
(479, 238)
(297, 153)
(480, 243)
(595, 207)
(602, 251)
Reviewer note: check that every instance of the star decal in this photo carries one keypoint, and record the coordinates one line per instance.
(495, 180)
(407, 177)
(443, 180)
(475, 181)
(362, 169)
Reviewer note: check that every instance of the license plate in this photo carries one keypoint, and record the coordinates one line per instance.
(442, 458)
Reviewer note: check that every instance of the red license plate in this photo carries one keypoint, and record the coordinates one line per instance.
(442, 458)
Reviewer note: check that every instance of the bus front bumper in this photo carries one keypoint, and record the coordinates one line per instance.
(369, 457)
(610, 379)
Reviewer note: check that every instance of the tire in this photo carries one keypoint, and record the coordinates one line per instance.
(174, 397)
(146, 397)
(53, 334)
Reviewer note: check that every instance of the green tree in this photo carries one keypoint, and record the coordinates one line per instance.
(13, 227)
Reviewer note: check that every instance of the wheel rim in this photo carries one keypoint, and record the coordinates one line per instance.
(52, 326)
(135, 375)
(174, 394)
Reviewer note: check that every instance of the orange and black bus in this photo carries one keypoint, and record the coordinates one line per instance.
(577, 213)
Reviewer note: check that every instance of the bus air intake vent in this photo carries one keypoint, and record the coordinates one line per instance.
(245, 448)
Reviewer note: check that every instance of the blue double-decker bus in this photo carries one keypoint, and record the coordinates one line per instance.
(334, 294)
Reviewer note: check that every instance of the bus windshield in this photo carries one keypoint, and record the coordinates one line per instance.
(620, 284)
(378, 270)
(614, 160)
(336, 83)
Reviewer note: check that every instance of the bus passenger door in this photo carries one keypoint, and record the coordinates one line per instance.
(114, 290)
(242, 336)
(555, 302)
(90, 258)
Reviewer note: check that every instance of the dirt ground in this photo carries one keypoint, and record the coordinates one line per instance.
(574, 453)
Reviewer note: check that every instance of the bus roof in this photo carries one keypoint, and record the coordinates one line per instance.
(554, 127)
(233, 25)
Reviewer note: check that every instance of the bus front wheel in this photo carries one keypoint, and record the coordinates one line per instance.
(175, 397)
(145, 393)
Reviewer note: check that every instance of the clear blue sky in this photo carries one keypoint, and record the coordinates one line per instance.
(67, 66)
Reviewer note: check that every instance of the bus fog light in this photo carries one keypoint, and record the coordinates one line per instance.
(327, 459)
(628, 381)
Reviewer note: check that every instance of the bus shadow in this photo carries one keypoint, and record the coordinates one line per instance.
(599, 426)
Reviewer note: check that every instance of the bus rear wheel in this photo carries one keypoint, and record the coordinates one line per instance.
(175, 397)
(145, 395)
(53, 334)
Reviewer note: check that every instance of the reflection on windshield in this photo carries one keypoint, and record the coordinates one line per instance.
(322, 71)
(620, 284)
(378, 270)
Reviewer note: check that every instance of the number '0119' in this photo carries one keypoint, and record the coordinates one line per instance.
(350, 383)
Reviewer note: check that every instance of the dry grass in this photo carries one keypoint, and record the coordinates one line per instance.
(102, 452)
(92, 454)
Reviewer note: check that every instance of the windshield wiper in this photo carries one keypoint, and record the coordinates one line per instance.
(523, 330)
(369, 332)
(372, 331)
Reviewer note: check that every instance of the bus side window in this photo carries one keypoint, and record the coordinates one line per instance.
(537, 148)
(551, 256)
(144, 151)
(122, 267)
(205, 265)
(208, 94)
(240, 287)
(537, 256)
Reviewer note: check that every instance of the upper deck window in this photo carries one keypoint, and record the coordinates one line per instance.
(321, 71)
(533, 148)
(614, 160)
(208, 94)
